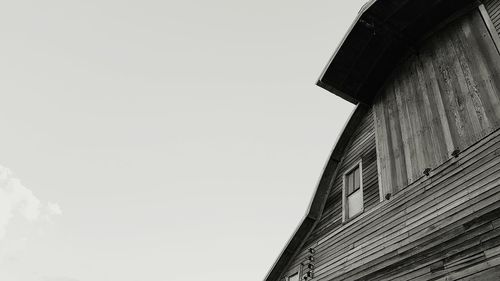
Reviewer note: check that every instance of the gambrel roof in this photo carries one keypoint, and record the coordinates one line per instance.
(382, 33)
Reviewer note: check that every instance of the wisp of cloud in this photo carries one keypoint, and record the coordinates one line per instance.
(15, 198)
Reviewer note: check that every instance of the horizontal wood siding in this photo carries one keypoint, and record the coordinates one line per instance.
(493, 8)
(442, 227)
(443, 98)
(360, 147)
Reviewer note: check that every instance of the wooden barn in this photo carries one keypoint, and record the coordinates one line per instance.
(411, 190)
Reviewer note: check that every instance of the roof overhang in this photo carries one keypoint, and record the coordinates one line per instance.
(383, 32)
(381, 35)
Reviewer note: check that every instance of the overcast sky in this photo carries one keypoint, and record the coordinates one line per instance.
(161, 140)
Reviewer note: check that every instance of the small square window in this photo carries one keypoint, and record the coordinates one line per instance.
(353, 192)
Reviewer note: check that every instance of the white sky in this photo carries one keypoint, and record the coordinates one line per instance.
(180, 140)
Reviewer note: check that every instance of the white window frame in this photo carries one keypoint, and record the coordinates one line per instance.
(345, 215)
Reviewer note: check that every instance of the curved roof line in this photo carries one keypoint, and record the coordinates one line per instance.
(317, 203)
(381, 34)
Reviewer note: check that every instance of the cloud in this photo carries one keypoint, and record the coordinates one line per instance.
(16, 199)
(54, 209)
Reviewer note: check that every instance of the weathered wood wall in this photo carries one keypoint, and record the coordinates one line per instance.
(442, 227)
(493, 8)
(361, 147)
(442, 98)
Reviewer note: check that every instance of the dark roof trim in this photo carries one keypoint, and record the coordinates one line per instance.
(315, 209)
(337, 92)
(329, 87)
(382, 34)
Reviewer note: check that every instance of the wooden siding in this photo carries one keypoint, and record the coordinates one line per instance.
(360, 147)
(493, 8)
(443, 98)
(442, 227)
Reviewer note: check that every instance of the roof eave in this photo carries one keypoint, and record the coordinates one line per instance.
(355, 71)
(336, 92)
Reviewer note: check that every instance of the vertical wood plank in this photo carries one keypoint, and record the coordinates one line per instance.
(406, 135)
(406, 93)
(475, 108)
(439, 60)
(465, 107)
(488, 60)
(398, 161)
(433, 140)
(386, 175)
(474, 60)
(439, 139)
(379, 147)
(417, 130)
(436, 100)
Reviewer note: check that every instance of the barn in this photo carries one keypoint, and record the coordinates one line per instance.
(411, 190)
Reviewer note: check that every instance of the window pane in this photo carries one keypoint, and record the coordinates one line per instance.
(348, 184)
(294, 277)
(356, 179)
(355, 203)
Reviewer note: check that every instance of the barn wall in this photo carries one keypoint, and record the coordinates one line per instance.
(446, 225)
(360, 147)
(443, 98)
(440, 226)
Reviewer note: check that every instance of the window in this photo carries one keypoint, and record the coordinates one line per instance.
(294, 277)
(353, 192)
